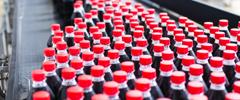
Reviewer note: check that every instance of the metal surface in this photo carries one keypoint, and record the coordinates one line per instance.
(32, 19)
(199, 12)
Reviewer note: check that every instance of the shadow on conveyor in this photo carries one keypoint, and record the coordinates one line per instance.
(32, 20)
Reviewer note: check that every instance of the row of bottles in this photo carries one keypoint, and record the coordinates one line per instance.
(113, 50)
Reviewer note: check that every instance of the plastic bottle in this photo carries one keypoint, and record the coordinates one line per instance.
(166, 42)
(108, 23)
(49, 54)
(54, 27)
(213, 30)
(88, 20)
(234, 47)
(74, 53)
(76, 21)
(96, 37)
(68, 80)
(233, 34)
(85, 81)
(201, 39)
(223, 41)
(157, 57)
(111, 89)
(143, 85)
(217, 89)
(85, 46)
(145, 62)
(77, 11)
(114, 56)
(179, 37)
(136, 52)
(128, 67)
(69, 31)
(95, 16)
(98, 52)
(223, 26)
(120, 46)
(83, 26)
(61, 47)
(121, 78)
(105, 41)
(88, 61)
(102, 27)
(62, 62)
(187, 61)
(181, 21)
(39, 84)
(105, 62)
(168, 55)
(41, 95)
(177, 91)
(97, 73)
(75, 93)
(163, 80)
(100, 11)
(207, 26)
(182, 51)
(77, 64)
(195, 88)
(150, 73)
(52, 79)
(134, 95)
(128, 43)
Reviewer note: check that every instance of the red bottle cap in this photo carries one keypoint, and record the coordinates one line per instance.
(198, 32)
(97, 70)
(177, 77)
(61, 45)
(58, 33)
(127, 66)
(188, 23)
(149, 73)
(110, 88)
(113, 54)
(82, 25)
(157, 30)
(98, 49)
(151, 11)
(105, 40)
(84, 44)
(214, 29)
(192, 28)
(207, 25)
(218, 35)
(49, 66)
(85, 81)
(41, 95)
(88, 15)
(149, 20)
(207, 46)
(202, 54)
(127, 38)
(188, 60)
(100, 97)
(196, 69)
(134, 95)
(153, 25)
(79, 32)
(142, 42)
(158, 47)
(104, 61)
(49, 52)
(165, 18)
(117, 33)
(237, 67)
(38, 75)
(195, 87)
(142, 84)
(101, 25)
(238, 37)
(137, 34)
(119, 45)
(120, 27)
(179, 37)
(156, 36)
(166, 66)
(145, 60)
(128, 16)
(171, 27)
(183, 49)
(100, 5)
(139, 27)
(163, 14)
(55, 27)
(223, 22)
(182, 19)
(78, 38)
(62, 57)
(228, 54)
(97, 35)
(167, 55)
(187, 42)
(106, 16)
(232, 46)
(134, 24)
(78, 20)
(120, 76)
(93, 29)
(125, 9)
(177, 31)
(75, 93)
(202, 39)
(165, 41)
(117, 13)
(74, 50)
(87, 56)
(77, 4)
(198, 97)
(171, 22)
(224, 41)
(68, 73)
(117, 22)
(216, 62)
(232, 96)
(109, 10)
(217, 77)
(136, 51)
(236, 86)
(76, 64)
(134, 11)
(234, 31)
(69, 29)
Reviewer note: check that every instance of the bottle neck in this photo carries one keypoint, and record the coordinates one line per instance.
(62, 65)
(39, 84)
(107, 47)
(170, 33)
(49, 58)
(115, 61)
(122, 52)
(135, 58)
(166, 74)
(190, 34)
(52, 73)
(123, 85)
(62, 51)
(114, 97)
(98, 79)
(69, 82)
(130, 76)
(195, 78)
(128, 44)
(185, 68)
(218, 69)
(96, 41)
(177, 44)
(225, 28)
(79, 71)
(85, 50)
(180, 56)
(229, 62)
(178, 86)
(108, 70)
(153, 82)
(217, 86)
(88, 63)
(157, 54)
(237, 75)
(167, 48)
(147, 94)
(72, 57)
(143, 67)
(87, 90)
(202, 61)
(100, 55)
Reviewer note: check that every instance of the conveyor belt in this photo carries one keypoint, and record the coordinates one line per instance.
(32, 19)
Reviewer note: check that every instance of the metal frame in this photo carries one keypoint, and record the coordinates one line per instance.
(198, 12)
